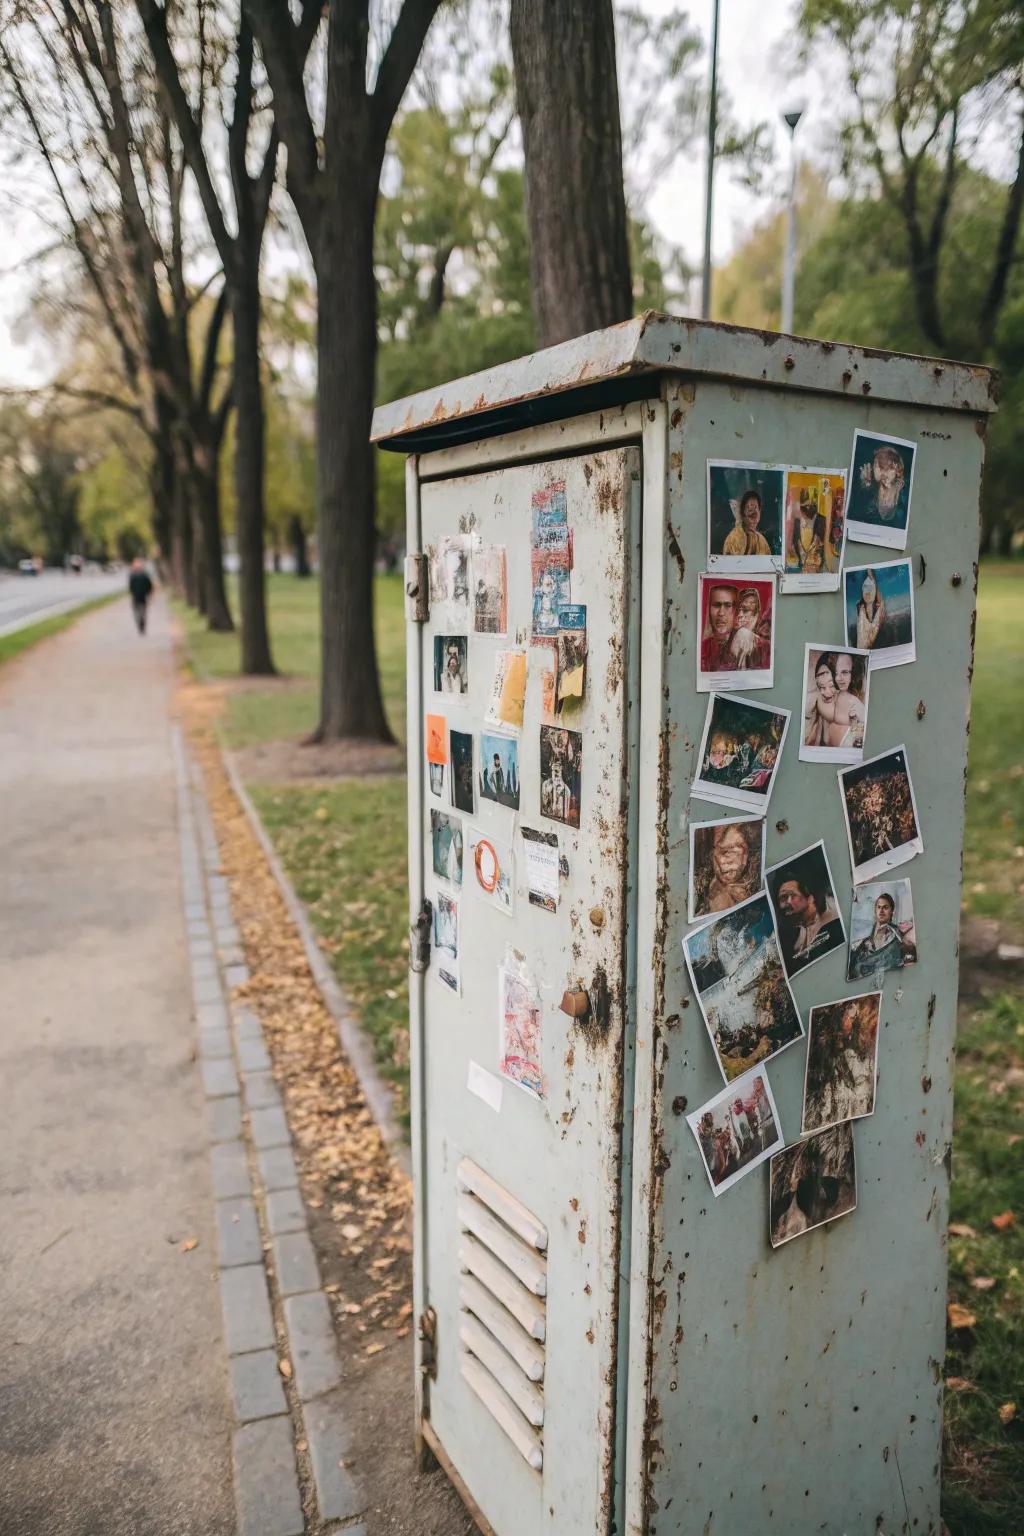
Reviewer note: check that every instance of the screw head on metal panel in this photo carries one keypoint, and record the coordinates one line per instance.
(955, 579)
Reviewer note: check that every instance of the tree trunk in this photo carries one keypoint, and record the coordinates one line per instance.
(300, 545)
(564, 56)
(350, 696)
(249, 465)
(207, 497)
(161, 492)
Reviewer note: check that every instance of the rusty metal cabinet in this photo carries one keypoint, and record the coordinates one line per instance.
(604, 1346)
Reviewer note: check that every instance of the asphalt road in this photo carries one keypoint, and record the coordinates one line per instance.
(27, 599)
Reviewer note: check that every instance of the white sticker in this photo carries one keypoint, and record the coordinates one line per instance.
(485, 1085)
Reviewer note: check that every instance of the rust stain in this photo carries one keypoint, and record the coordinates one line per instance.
(679, 1104)
(676, 552)
(581, 1235)
(926, 1084)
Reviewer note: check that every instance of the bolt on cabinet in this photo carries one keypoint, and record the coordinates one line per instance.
(608, 1341)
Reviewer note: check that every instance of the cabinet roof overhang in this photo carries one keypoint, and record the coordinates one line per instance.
(627, 362)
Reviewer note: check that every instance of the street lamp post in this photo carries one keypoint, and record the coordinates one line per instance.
(709, 185)
(791, 119)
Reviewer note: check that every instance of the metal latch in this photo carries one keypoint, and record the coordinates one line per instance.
(419, 939)
(417, 589)
(428, 1343)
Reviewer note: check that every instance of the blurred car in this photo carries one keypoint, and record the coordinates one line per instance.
(28, 568)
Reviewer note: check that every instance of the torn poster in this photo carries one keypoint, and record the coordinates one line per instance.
(542, 867)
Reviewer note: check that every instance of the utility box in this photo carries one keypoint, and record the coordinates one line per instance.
(662, 577)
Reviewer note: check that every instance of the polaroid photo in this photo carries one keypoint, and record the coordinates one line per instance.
(461, 770)
(520, 1018)
(561, 773)
(540, 851)
(445, 952)
(446, 846)
(835, 705)
(815, 530)
(807, 918)
(746, 510)
(726, 864)
(811, 1183)
(879, 603)
(881, 482)
(737, 1129)
(499, 769)
(451, 666)
(882, 825)
(492, 865)
(740, 752)
(436, 772)
(882, 932)
(448, 577)
(842, 1062)
(508, 691)
(490, 590)
(736, 633)
(741, 987)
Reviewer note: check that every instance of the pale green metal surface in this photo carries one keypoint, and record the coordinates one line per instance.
(799, 1389)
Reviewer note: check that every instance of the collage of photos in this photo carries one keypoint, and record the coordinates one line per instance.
(740, 752)
(737, 633)
(776, 531)
(741, 987)
(835, 708)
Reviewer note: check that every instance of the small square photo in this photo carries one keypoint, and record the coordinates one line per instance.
(736, 634)
(881, 482)
(736, 1130)
(812, 1182)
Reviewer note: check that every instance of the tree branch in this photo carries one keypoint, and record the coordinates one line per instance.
(281, 46)
(1005, 247)
(398, 63)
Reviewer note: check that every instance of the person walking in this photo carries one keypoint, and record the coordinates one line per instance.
(140, 590)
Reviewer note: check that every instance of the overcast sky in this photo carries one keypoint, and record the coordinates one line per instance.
(754, 68)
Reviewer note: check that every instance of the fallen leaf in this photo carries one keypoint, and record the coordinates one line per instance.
(1007, 1412)
(960, 1384)
(983, 1282)
(352, 1308)
(285, 1367)
(961, 1229)
(350, 1232)
(1003, 1221)
(960, 1317)
(188, 1245)
(374, 1349)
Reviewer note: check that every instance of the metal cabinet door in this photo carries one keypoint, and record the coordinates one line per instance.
(529, 1195)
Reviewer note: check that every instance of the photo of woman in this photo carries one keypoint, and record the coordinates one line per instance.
(726, 864)
(886, 911)
(879, 604)
(881, 480)
(835, 708)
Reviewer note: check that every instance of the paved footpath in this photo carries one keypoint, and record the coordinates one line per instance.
(115, 1416)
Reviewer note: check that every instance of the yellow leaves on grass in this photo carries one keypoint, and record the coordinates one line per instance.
(960, 1317)
(961, 1229)
(1007, 1412)
(1004, 1221)
(959, 1384)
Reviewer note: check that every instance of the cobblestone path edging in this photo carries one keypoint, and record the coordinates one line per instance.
(289, 1445)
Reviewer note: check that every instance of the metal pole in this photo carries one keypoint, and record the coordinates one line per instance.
(789, 258)
(705, 292)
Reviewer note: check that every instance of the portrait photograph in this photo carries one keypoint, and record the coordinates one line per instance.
(499, 769)
(879, 602)
(561, 774)
(807, 918)
(882, 932)
(735, 632)
(835, 707)
(451, 673)
(810, 1183)
(445, 952)
(737, 1130)
(740, 751)
(446, 846)
(461, 770)
(842, 1061)
(882, 824)
(490, 590)
(815, 529)
(726, 864)
(745, 516)
(881, 481)
(741, 987)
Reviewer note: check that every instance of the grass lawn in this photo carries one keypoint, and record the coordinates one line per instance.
(344, 847)
(22, 639)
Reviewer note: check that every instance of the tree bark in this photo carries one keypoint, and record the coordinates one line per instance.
(300, 545)
(350, 696)
(249, 467)
(564, 57)
(206, 489)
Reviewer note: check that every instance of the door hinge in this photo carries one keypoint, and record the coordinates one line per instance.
(419, 939)
(417, 589)
(428, 1343)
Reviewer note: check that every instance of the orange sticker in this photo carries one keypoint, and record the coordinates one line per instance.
(437, 739)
